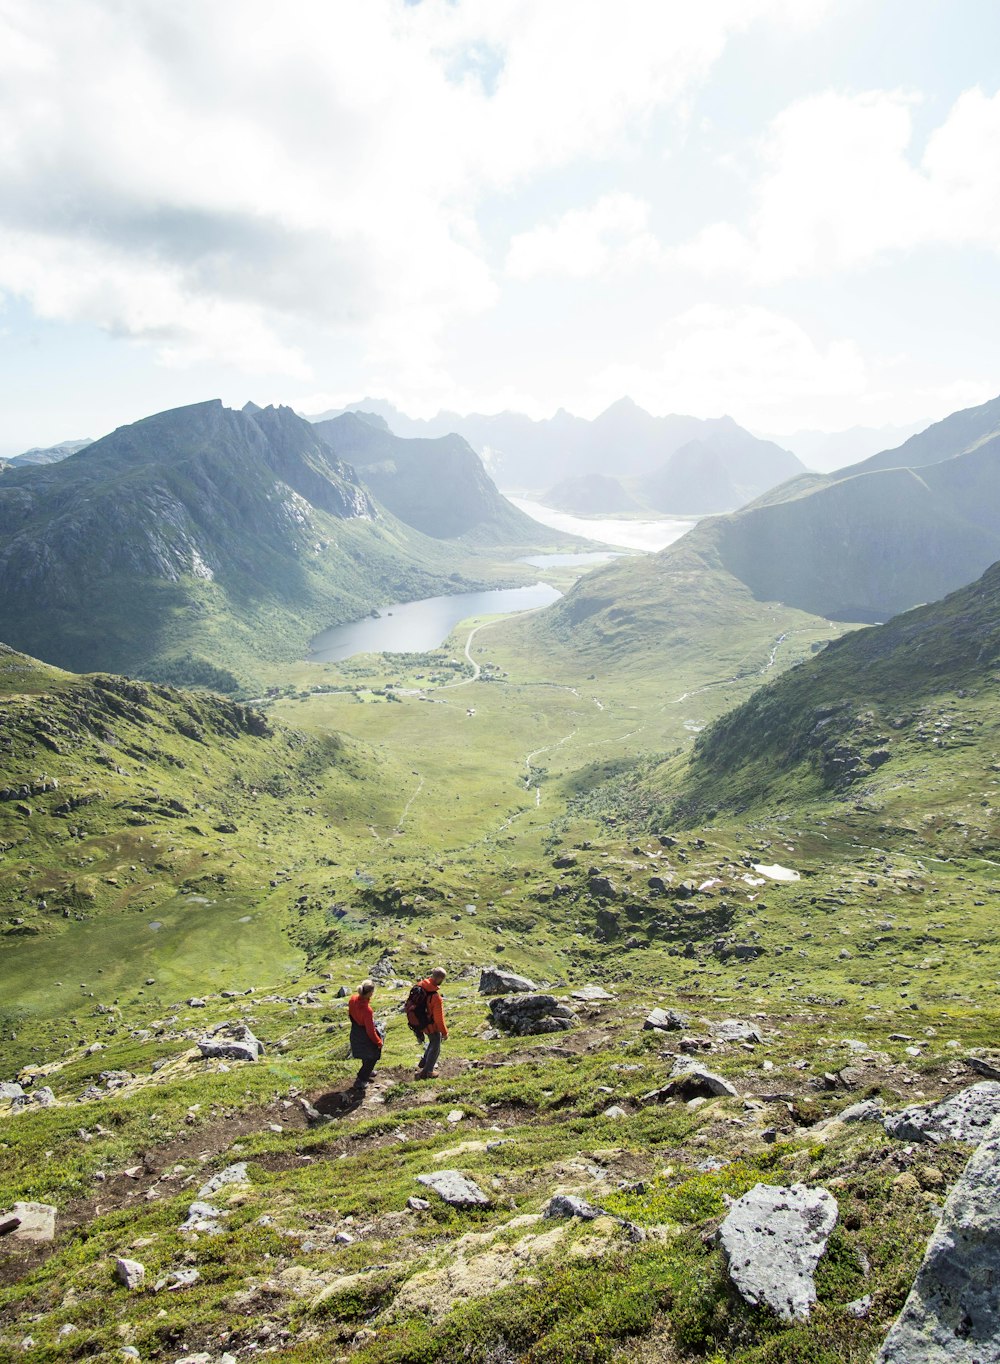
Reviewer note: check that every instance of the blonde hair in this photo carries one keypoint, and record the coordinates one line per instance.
(438, 973)
(367, 986)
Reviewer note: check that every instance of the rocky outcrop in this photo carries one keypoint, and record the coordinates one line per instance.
(231, 1041)
(772, 1239)
(952, 1314)
(527, 1014)
(455, 1188)
(964, 1117)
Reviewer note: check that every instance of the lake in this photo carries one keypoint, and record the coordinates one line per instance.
(610, 530)
(414, 627)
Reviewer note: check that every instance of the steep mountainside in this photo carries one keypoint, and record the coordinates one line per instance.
(193, 543)
(49, 454)
(955, 435)
(525, 454)
(590, 495)
(695, 480)
(861, 547)
(870, 717)
(439, 486)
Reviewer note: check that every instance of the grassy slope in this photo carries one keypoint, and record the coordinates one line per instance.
(444, 811)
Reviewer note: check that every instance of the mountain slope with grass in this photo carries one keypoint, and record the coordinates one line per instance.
(198, 543)
(439, 486)
(902, 713)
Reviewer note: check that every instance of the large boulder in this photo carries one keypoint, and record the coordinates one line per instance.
(30, 1222)
(455, 1189)
(952, 1315)
(528, 1014)
(772, 1239)
(10, 1090)
(493, 980)
(664, 1020)
(966, 1116)
(231, 1042)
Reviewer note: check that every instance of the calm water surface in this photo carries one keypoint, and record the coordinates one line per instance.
(610, 530)
(415, 626)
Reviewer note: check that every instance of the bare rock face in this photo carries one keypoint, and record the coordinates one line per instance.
(964, 1117)
(952, 1315)
(455, 1189)
(494, 980)
(772, 1239)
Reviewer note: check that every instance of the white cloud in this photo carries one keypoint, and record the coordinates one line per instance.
(842, 187)
(612, 233)
(749, 361)
(228, 173)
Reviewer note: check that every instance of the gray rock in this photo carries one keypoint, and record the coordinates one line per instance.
(232, 1174)
(735, 1030)
(772, 1239)
(952, 1314)
(529, 1014)
(231, 1041)
(602, 886)
(417, 1204)
(130, 1273)
(976, 1063)
(455, 1189)
(869, 1110)
(964, 1117)
(35, 1222)
(664, 1020)
(203, 1217)
(494, 980)
(383, 968)
(43, 1097)
(10, 1089)
(690, 1081)
(565, 1205)
(590, 994)
(615, 1111)
(860, 1307)
(177, 1278)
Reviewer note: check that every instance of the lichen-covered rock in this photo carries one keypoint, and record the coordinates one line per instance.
(493, 980)
(455, 1189)
(952, 1314)
(664, 1020)
(528, 1014)
(772, 1239)
(231, 1042)
(868, 1110)
(130, 1273)
(565, 1205)
(735, 1030)
(232, 1174)
(966, 1116)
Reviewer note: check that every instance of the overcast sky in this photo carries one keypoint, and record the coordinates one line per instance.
(787, 210)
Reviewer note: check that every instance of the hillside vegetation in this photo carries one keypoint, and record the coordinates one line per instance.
(200, 544)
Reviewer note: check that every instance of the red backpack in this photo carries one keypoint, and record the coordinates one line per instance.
(417, 1009)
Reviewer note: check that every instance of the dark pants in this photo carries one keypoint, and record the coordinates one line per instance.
(432, 1050)
(365, 1051)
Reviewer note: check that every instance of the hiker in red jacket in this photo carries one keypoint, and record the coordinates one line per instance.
(366, 1039)
(425, 1015)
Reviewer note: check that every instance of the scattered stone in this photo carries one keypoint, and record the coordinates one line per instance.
(591, 994)
(10, 1090)
(203, 1217)
(196, 1003)
(344, 1238)
(772, 1239)
(735, 1030)
(232, 1174)
(43, 1097)
(966, 1116)
(869, 1110)
(417, 1204)
(494, 980)
(35, 1222)
(976, 1063)
(565, 1205)
(530, 1014)
(664, 1020)
(341, 993)
(860, 1307)
(231, 1041)
(455, 1189)
(602, 886)
(615, 1111)
(177, 1278)
(952, 1314)
(383, 968)
(456, 1115)
(692, 1081)
(130, 1273)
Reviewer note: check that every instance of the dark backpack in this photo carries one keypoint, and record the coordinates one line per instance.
(417, 1009)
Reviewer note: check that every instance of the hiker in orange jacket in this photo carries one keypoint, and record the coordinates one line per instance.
(435, 1030)
(366, 1040)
